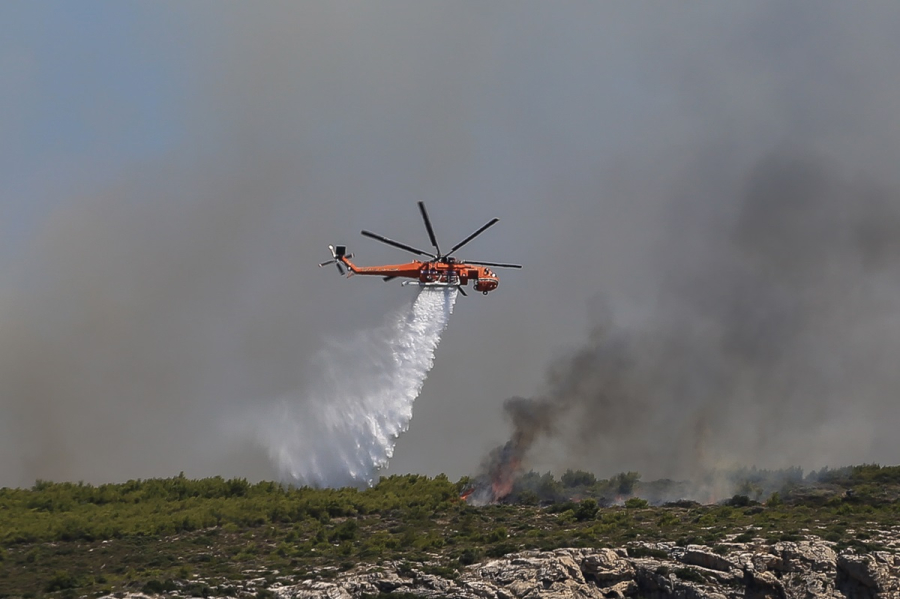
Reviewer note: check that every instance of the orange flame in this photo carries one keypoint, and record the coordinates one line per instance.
(504, 478)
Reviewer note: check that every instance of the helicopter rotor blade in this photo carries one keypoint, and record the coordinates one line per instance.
(326, 263)
(388, 278)
(461, 290)
(396, 244)
(490, 223)
(498, 264)
(430, 230)
(339, 267)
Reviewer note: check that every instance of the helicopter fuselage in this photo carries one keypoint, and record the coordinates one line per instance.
(433, 273)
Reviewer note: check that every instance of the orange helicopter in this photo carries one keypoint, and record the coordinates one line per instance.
(441, 270)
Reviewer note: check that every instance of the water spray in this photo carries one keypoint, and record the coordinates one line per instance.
(342, 429)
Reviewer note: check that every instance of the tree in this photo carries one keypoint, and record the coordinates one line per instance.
(577, 478)
(625, 482)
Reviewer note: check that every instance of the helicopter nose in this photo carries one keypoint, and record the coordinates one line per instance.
(486, 284)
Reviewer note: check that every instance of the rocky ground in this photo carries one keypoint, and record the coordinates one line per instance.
(786, 570)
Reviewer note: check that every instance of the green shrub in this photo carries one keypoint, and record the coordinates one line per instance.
(62, 580)
(738, 501)
(636, 503)
(667, 519)
(155, 587)
(500, 550)
(345, 531)
(566, 517)
(562, 506)
(468, 557)
(586, 510)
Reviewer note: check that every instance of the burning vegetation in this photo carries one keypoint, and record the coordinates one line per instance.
(575, 487)
(744, 355)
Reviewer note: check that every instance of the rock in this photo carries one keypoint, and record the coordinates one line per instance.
(435, 583)
(875, 576)
(804, 555)
(534, 575)
(696, 555)
(621, 589)
(763, 585)
(479, 589)
(606, 568)
(808, 569)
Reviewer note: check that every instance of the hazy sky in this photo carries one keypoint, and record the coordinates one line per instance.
(171, 174)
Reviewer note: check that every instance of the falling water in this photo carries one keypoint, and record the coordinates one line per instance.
(342, 429)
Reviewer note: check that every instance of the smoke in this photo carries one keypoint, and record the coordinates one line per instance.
(771, 338)
(172, 173)
(341, 429)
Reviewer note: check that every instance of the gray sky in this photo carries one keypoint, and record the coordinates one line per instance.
(172, 174)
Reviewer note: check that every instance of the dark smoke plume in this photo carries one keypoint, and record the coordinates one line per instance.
(769, 339)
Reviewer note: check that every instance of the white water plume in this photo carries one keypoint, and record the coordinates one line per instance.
(342, 429)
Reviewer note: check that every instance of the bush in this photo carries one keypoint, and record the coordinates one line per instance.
(155, 587)
(346, 531)
(500, 550)
(498, 534)
(586, 510)
(668, 519)
(566, 517)
(738, 501)
(636, 503)
(562, 506)
(468, 557)
(61, 581)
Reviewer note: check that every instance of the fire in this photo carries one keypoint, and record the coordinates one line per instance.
(503, 477)
(500, 471)
(464, 496)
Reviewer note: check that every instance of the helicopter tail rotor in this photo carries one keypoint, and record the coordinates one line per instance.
(338, 255)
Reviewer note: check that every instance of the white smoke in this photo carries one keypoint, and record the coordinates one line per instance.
(342, 429)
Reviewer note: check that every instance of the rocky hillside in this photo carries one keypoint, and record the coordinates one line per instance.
(809, 568)
(412, 536)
